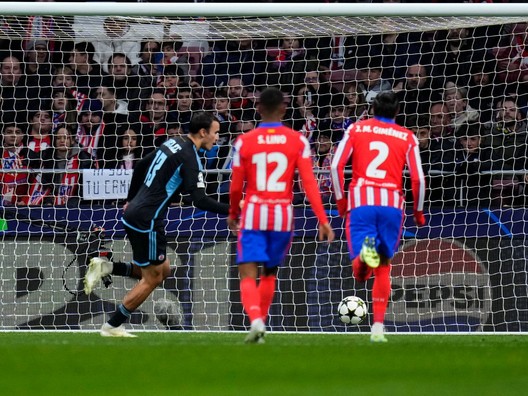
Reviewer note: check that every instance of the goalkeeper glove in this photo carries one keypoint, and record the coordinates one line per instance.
(419, 218)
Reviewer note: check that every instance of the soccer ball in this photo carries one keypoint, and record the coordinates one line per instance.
(168, 312)
(352, 310)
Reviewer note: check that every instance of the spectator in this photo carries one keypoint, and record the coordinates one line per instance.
(64, 107)
(14, 92)
(87, 72)
(39, 134)
(440, 121)
(414, 93)
(394, 52)
(182, 111)
(126, 85)
(371, 81)
(129, 149)
(169, 56)
(244, 57)
(281, 59)
(322, 88)
(223, 114)
(64, 188)
(473, 187)
(482, 89)
(510, 55)
(303, 117)
(239, 103)
(37, 67)
(220, 157)
(357, 105)
(338, 121)
(15, 187)
(169, 80)
(147, 69)
(322, 155)
(509, 130)
(458, 107)
(454, 52)
(438, 162)
(63, 76)
(121, 36)
(154, 121)
(90, 130)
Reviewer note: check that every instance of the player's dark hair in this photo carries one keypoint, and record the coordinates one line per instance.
(386, 104)
(201, 119)
(271, 99)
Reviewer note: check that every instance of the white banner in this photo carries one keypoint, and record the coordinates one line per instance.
(106, 183)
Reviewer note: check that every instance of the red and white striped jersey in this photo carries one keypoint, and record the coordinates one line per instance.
(264, 162)
(380, 150)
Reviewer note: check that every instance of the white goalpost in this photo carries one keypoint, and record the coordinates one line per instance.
(114, 80)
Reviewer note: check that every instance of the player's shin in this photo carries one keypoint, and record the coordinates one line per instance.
(250, 298)
(266, 289)
(381, 292)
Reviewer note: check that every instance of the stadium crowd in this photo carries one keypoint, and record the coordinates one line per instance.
(76, 104)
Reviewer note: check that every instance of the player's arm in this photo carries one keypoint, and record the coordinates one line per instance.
(138, 176)
(337, 172)
(304, 164)
(414, 164)
(193, 183)
(237, 183)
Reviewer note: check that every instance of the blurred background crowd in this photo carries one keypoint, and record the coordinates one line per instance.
(71, 104)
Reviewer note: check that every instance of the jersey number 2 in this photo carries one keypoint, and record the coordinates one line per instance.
(373, 170)
(270, 182)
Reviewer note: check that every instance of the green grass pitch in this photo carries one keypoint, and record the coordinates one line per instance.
(192, 363)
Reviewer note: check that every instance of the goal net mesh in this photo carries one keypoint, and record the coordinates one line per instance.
(83, 98)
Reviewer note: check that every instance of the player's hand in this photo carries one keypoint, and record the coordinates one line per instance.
(125, 206)
(342, 206)
(419, 218)
(326, 232)
(234, 225)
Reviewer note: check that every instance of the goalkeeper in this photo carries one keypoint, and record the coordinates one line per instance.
(158, 180)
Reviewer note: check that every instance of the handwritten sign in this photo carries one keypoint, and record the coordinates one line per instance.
(106, 183)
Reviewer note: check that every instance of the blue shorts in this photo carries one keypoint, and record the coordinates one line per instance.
(382, 222)
(266, 247)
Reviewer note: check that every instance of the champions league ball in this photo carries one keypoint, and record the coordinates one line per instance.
(352, 310)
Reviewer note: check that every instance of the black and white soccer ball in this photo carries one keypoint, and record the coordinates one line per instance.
(168, 312)
(352, 310)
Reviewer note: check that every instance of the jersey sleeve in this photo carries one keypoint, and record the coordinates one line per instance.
(414, 163)
(337, 168)
(138, 176)
(304, 164)
(191, 172)
(237, 182)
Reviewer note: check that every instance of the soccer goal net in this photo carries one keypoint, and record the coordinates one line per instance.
(87, 89)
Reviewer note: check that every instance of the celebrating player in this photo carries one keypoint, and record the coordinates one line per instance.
(265, 160)
(380, 149)
(158, 180)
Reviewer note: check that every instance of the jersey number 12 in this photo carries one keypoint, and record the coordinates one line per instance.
(270, 182)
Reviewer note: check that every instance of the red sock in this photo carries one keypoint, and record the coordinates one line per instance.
(250, 298)
(381, 292)
(361, 271)
(266, 289)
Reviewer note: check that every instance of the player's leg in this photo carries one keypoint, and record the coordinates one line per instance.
(278, 246)
(251, 250)
(149, 253)
(100, 267)
(360, 228)
(389, 234)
